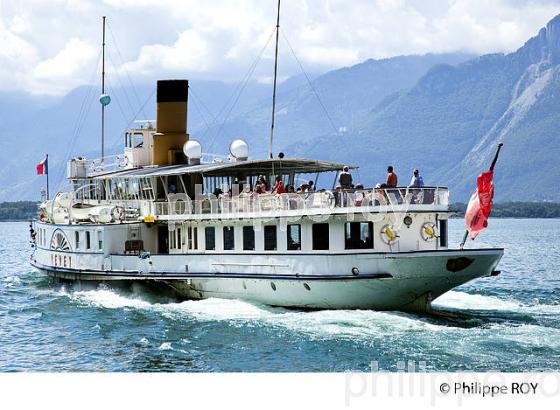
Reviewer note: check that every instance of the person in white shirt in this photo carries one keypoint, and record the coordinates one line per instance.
(416, 181)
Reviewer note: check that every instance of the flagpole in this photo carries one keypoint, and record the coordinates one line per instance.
(47, 169)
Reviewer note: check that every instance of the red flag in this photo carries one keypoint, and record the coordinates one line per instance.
(480, 204)
(43, 167)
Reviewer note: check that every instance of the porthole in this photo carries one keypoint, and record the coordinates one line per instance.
(407, 220)
(272, 285)
(306, 286)
(355, 271)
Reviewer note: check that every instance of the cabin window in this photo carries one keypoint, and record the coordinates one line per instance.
(88, 240)
(77, 239)
(138, 140)
(100, 240)
(443, 233)
(210, 238)
(193, 238)
(179, 238)
(294, 237)
(248, 238)
(270, 238)
(229, 239)
(320, 237)
(172, 239)
(358, 235)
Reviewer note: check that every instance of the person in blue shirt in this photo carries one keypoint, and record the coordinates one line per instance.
(416, 181)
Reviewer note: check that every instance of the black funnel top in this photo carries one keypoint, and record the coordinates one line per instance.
(172, 91)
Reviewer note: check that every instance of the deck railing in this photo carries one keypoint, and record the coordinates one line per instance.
(322, 200)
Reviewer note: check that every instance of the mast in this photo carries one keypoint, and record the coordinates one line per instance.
(274, 86)
(102, 94)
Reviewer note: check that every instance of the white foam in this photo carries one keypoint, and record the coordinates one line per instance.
(107, 299)
(12, 281)
(166, 346)
(460, 300)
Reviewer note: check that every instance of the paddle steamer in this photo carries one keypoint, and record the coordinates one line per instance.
(163, 213)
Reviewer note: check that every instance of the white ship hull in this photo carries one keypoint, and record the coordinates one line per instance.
(406, 281)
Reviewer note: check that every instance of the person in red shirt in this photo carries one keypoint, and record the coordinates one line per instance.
(392, 179)
(279, 187)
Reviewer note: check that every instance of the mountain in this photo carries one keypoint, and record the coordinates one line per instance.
(218, 113)
(449, 123)
(332, 102)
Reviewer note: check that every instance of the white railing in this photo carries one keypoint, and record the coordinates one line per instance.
(107, 164)
(323, 200)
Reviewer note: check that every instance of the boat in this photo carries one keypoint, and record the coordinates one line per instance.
(164, 214)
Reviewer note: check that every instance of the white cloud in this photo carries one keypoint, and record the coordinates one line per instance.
(50, 47)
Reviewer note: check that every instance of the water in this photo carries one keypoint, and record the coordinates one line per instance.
(507, 323)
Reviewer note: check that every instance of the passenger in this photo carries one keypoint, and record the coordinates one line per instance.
(417, 181)
(172, 189)
(262, 181)
(311, 186)
(279, 187)
(345, 178)
(259, 189)
(359, 186)
(392, 179)
(303, 188)
(290, 189)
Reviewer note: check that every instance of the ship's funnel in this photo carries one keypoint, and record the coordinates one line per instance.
(171, 122)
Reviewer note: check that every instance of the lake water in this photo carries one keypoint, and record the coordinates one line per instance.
(506, 323)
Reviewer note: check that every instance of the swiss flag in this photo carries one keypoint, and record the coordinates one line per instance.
(43, 167)
(480, 204)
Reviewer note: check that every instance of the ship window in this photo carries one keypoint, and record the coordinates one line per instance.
(270, 239)
(210, 238)
(138, 140)
(443, 233)
(229, 239)
(100, 240)
(294, 237)
(193, 237)
(77, 239)
(358, 235)
(248, 238)
(179, 238)
(321, 237)
(88, 240)
(172, 239)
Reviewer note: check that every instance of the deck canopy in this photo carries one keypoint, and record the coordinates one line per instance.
(251, 167)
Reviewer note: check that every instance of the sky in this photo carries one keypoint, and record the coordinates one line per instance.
(49, 47)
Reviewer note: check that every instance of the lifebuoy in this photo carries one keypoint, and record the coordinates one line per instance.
(389, 234)
(428, 231)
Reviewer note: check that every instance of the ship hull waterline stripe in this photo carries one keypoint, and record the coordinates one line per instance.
(182, 276)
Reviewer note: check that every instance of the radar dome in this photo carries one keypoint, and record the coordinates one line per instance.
(239, 150)
(193, 151)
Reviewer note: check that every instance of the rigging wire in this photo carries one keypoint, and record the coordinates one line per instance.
(201, 102)
(128, 125)
(122, 86)
(83, 113)
(241, 88)
(138, 100)
(310, 83)
(196, 107)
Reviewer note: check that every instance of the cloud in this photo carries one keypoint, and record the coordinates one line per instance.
(50, 47)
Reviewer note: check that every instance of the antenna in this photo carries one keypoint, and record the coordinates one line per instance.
(274, 87)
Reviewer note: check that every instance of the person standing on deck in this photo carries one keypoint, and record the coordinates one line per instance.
(392, 179)
(345, 178)
(417, 181)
